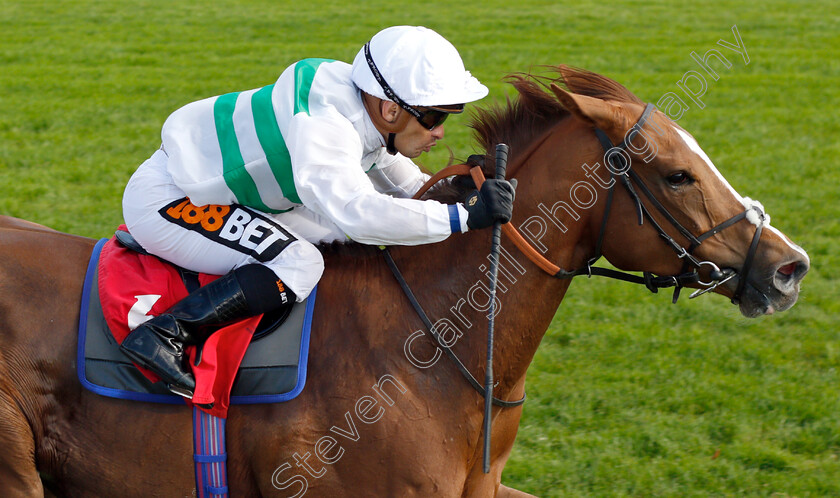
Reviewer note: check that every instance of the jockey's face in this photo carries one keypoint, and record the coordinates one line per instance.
(415, 139)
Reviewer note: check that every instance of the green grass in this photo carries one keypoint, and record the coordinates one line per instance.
(628, 396)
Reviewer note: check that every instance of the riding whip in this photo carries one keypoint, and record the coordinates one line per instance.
(501, 164)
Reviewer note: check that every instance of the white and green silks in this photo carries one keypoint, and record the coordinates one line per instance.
(305, 140)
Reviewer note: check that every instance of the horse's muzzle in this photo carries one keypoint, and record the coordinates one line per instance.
(772, 289)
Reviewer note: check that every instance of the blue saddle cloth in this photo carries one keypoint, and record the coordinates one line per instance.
(273, 369)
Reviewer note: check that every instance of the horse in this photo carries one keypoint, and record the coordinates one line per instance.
(384, 412)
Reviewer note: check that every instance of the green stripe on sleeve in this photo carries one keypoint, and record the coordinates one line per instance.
(304, 74)
(272, 143)
(236, 176)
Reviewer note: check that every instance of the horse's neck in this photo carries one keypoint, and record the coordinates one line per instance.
(529, 297)
(455, 273)
(450, 280)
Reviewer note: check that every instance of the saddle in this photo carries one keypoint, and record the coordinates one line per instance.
(270, 352)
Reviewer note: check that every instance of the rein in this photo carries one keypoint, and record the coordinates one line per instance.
(622, 172)
(430, 330)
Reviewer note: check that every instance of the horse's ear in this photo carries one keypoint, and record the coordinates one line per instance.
(595, 111)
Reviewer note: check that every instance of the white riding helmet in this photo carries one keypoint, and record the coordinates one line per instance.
(418, 65)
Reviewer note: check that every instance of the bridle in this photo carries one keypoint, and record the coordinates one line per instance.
(690, 263)
(621, 172)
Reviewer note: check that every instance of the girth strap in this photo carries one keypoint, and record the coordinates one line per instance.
(210, 455)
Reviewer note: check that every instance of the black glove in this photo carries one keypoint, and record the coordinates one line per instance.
(494, 202)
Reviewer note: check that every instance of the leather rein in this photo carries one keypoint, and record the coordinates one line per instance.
(621, 172)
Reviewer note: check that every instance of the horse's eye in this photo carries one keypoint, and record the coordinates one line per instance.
(679, 178)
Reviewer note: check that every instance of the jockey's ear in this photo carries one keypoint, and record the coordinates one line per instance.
(390, 111)
(387, 116)
(599, 113)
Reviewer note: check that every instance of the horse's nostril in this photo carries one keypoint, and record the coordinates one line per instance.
(788, 269)
(792, 272)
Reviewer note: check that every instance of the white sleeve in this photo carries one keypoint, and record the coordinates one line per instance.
(396, 175)
(326, 153)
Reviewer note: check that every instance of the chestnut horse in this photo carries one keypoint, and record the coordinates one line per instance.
(384, 413)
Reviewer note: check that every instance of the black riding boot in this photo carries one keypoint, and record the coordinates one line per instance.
(158, 344)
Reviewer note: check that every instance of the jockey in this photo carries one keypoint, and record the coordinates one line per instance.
(246, 183)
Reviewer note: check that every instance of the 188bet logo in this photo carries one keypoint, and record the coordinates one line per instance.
(237, 227)
(211, 217)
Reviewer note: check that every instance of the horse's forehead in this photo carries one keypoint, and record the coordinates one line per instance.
(694, 147)
(748, 203)
(745, 201)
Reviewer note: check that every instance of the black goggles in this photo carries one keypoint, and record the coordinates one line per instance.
(430, 117)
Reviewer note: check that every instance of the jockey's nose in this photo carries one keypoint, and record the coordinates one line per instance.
(437, 132)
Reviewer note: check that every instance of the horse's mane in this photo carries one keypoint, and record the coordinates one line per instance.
(518, 121)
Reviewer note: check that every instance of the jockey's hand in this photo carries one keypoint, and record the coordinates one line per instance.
(494, 202)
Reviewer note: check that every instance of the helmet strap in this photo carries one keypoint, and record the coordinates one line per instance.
(391, 147)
